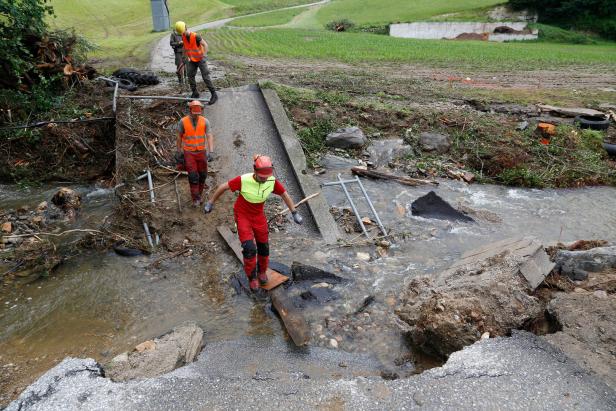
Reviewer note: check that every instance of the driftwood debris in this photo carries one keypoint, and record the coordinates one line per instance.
(292, 318)
(380, 175)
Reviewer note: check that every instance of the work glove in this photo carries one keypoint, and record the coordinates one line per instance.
(297, 218)
(208, 207)
(179, 157)
(210, 156)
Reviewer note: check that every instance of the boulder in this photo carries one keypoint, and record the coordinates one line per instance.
(157, 357)
(332, 162)
(433, 206)
(349, 137)
(577, 264)
(488, 290)
(382, 152)
(434, 142)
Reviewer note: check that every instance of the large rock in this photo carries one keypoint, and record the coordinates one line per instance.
(350, 137)
(487, 290)
(382, 152)
(164, 354)
(434, 142)
(577, 264)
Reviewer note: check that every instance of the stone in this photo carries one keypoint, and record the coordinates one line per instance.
(146, 346)
(7, 227)
(158, 356)
(577, 264)
(42, 206)
(363, 256)
(349, 137)
(333, 343)
(383, 152)
(522, 125)
(37, 219)
(600, 294)
(434, 142)
(332, 162)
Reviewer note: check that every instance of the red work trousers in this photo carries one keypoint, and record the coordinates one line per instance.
(252, 227)
(196, 166)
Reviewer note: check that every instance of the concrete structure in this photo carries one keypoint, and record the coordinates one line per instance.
(160, 15)
(451, 30)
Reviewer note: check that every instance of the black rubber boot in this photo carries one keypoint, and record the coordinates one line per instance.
(214, 97)
(195, 94)
(180, 79)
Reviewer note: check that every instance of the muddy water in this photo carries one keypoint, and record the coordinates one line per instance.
(101, 304)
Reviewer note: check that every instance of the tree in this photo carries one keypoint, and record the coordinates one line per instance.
(593, 15)
(21, 21)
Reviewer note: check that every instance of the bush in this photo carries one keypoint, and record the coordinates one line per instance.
(372, 28)
(598, 16)
(555, 34)
(21, 21)
(340, 25)
(313, 139)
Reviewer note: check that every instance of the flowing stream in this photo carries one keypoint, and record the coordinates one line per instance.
(100, 304)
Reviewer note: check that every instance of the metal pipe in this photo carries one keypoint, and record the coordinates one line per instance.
(346, 192)
(142, 176)
(163, 98)
(376, 216)
(152, 199)
(147, 234)
(335, 183)
(157, 238)
(115, 96)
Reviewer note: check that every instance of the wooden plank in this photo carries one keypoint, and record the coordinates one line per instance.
(293, 320)
(232, 241)
(380, 175)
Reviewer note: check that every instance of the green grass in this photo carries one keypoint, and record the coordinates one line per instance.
(360, 47)
(391, 11)
(273, 18)
(123, 29)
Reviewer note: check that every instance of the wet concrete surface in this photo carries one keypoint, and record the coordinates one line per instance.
(242, 127)
(521, 372)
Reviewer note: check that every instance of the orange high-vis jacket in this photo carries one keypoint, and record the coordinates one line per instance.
(193, 138)
(193, 50)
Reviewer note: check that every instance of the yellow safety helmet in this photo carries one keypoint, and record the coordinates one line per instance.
(180, 27)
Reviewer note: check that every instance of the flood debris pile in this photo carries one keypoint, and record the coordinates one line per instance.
(28, 236)
(489, 292)
(159, 356)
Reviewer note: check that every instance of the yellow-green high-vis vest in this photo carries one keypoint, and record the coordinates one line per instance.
(255, 192)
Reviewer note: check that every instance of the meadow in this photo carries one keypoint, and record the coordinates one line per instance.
(362, 47)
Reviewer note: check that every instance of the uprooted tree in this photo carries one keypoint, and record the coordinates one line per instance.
(31, 52)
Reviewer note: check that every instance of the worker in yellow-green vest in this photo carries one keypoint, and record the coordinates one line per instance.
(254, 188)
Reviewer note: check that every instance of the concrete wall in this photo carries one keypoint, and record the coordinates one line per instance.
(451, 30)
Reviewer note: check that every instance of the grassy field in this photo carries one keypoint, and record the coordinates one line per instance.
(273, 18)
(123, 29)
(388, 11)
(359, 47)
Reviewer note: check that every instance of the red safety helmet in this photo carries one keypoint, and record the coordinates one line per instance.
(196, 107)
(263, 166)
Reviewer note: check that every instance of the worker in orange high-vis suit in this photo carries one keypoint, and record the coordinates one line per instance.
(195, 143)
(254, 188)
(195, 49)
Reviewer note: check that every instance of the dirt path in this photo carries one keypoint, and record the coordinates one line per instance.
(162, 59)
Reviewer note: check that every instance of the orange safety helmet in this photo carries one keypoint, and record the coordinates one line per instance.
(196, 107)
(263, 166)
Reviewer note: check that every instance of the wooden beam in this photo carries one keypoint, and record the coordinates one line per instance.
(379, 175)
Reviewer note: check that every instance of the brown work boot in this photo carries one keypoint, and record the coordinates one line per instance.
(262, 278)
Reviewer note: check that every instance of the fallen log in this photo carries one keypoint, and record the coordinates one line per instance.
(293, 320)
(380, 175)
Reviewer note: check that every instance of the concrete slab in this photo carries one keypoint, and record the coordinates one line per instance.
(318, 206)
